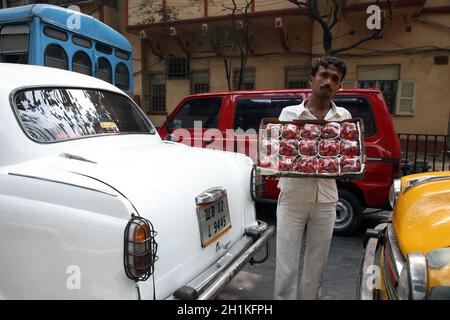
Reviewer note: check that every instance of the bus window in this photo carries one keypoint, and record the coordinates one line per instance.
(122, 77)
(82, 42)
(103, 48)
(55, 57)
(55, 34)
(14, 43)
(81, 63)
(122, 54)
(104, 70)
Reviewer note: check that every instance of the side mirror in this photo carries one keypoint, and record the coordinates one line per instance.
(171, 137)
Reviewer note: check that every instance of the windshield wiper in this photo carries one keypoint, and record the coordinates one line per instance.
(74, 157)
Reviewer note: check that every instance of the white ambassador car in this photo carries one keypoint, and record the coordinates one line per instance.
(94, 205)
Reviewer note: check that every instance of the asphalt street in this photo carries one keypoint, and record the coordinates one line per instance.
(256, 282)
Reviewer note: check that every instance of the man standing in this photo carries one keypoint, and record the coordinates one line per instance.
(308, 201)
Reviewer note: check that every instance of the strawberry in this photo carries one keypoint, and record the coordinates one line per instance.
(268, 162)
(310, 131)
(308, 147)
(290, 131)
(349, 131)
(350, 164)
(289, 147)
(331, 130)
(328, 165)
(287, 163)
(349, 148)
(307, 165)
(329, 147)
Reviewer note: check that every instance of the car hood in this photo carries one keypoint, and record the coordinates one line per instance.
(421, 217)
(162, 181)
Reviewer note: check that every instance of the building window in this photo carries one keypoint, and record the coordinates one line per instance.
(55, 57)
(157, 93)
(383, 77)
(81, 63)
(296, 77)
(248, 81)
(199, 81)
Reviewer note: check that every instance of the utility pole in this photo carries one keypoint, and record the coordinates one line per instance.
(5, 4)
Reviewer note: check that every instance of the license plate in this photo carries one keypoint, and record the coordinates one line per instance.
(214, 220)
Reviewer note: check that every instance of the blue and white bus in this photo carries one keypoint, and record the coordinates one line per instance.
(52, 36)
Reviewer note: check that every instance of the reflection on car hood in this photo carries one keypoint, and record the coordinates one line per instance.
(422, 217)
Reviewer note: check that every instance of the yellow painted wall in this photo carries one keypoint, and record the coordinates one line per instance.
(432, 107)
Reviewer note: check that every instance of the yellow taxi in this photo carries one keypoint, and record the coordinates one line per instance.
(408, 257)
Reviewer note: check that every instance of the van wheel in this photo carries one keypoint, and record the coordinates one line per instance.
(348, 214)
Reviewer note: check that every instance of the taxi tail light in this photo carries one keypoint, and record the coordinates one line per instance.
(140, 249)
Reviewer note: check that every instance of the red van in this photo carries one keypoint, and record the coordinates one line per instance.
(236, 115)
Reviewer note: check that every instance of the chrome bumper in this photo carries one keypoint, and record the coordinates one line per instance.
(207, 285)
(365, 289)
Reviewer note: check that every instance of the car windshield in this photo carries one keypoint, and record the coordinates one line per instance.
(57, 114)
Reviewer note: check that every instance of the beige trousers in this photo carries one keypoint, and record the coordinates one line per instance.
(292, 217)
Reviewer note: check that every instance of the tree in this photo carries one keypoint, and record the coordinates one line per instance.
(233, 40)
(229, 41)
(328, 16)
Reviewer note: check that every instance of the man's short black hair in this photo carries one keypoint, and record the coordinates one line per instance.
(327, 61)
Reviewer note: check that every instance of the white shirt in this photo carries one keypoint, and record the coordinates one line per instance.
(312, 189)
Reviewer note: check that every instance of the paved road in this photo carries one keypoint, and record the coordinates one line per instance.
(256, 282)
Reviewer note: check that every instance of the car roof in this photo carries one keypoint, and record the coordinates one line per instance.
(15, 76)
(278, 91)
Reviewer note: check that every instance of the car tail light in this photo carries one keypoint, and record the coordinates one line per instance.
(139, 249)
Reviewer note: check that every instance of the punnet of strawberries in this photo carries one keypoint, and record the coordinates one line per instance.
(269, 147)
(329, 148)
(349, 148)
(350, 164)
(328, 165)
(308, 147)
(269, 162)
(273, 130)
(310, 131)
(307, 165)
(287, 163)
(289, 148)
(349, 131)
(290, 131)
(331, 130)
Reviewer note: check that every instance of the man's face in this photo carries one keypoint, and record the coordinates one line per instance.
(326, 82)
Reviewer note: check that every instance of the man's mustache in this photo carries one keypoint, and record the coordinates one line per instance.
(325, 86)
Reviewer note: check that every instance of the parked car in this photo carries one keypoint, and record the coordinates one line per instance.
(409, 256)
(235, 113)
(94, 205)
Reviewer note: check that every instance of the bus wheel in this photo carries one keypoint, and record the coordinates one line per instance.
(348, 214)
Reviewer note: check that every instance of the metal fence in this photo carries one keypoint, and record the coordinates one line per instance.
(424, 152)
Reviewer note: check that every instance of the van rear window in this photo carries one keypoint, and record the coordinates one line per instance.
(249, 112)
(204, 110)
(359, 107)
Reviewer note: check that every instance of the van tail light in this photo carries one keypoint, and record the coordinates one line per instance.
(140, 249)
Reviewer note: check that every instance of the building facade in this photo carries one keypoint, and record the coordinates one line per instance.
(187, 46)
